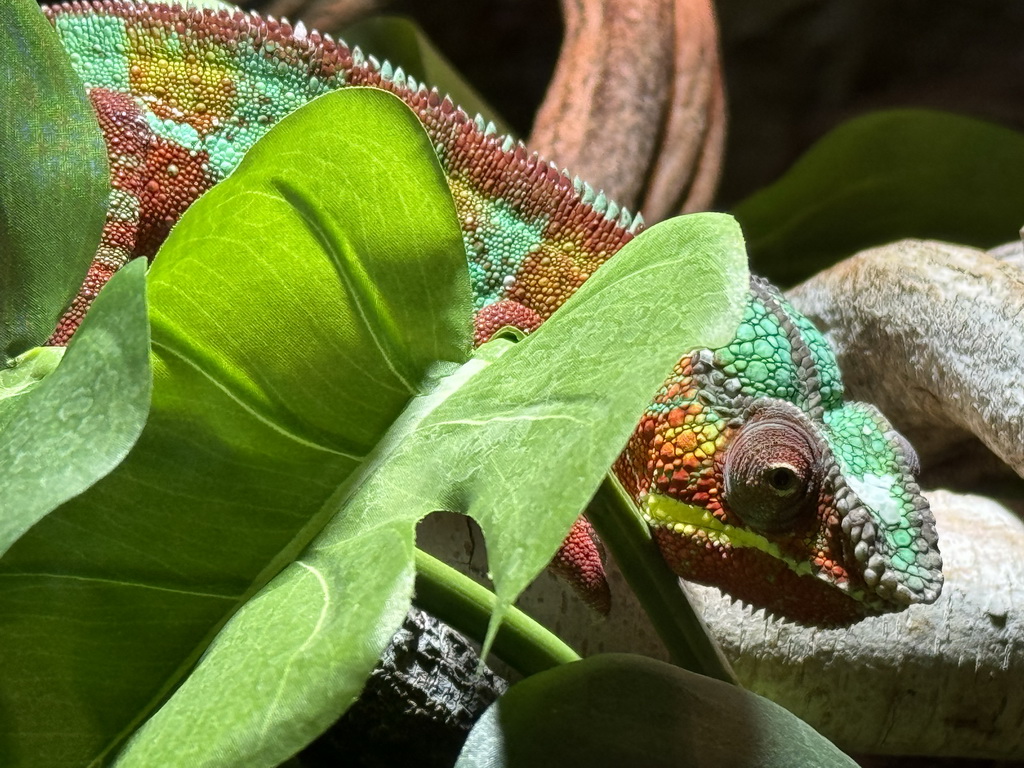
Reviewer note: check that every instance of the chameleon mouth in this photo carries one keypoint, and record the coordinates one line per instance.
(698, 525)
(686, 520)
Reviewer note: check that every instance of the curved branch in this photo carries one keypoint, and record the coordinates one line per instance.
(637, 104)
(933, 334)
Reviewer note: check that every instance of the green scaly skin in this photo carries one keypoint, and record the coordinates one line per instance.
(758, 477)
(753, 472)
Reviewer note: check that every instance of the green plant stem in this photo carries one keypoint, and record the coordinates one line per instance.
(459, 601)
(616, 519)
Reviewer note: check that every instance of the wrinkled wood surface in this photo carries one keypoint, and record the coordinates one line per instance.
(933, 334)
(636, 106)
(944, 679)
(422, 699)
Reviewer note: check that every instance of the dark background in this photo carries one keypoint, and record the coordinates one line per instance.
(794, 68)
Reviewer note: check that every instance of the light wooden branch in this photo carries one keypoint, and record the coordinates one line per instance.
(941, 679)
(933, 334)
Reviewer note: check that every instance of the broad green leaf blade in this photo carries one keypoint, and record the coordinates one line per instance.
(519, 441)
(618, 710)
(54, 179)
(257, 696)
(269, 319)
(292, 660)
(883, 177)
(25, 373)
(402, 43)
(79, 422)
(330, 343)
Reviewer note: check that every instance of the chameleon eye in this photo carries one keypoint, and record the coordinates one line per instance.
(783, 480)
(771, 471)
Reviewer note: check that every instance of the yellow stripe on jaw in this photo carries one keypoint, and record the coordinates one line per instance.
(686, 520)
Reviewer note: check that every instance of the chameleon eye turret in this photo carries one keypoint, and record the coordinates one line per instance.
(771, 469)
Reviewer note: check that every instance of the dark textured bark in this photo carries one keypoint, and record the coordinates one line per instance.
(418, 704)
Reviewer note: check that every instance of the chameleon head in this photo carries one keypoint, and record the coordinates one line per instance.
(759, 479)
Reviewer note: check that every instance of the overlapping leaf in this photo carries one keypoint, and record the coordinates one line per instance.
(884, 177)
(53, 179)
(617, 710)
(62, 434)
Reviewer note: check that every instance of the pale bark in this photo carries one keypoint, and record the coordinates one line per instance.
(933, 334)
(941, 679)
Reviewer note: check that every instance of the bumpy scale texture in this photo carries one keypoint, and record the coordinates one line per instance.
(862, 541)
(181, 94)
(753, 472)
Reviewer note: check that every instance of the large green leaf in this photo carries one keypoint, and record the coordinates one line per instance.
(401, 43)
(26, 372)
(519, 443)
(304, 314)
(54, 179)
(295, 310)
(883, 177)
(619, 710)
(80, 421)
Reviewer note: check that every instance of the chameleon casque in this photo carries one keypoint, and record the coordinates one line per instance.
(806, 505)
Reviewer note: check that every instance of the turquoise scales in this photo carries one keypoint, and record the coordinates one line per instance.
(807, 505)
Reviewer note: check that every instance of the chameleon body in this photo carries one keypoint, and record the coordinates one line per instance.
(751, 469)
